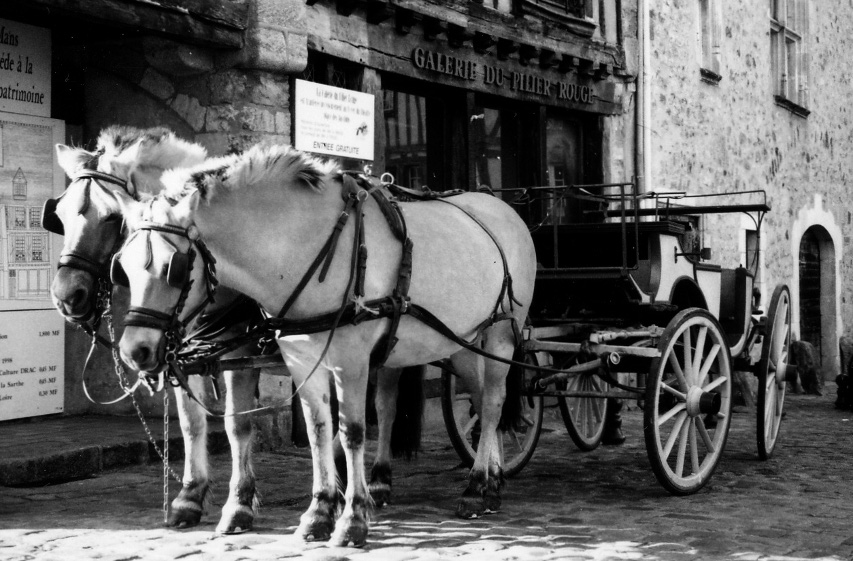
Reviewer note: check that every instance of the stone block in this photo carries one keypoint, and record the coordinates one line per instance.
(177, 59)
(276, 39)
(190, 110)
(157, 85)
(221, 118)
(270, 90)
(256, 119)
(228, 86)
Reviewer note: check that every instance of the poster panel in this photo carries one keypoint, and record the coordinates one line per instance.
(24, 68)
(333, 121)
(32, 333)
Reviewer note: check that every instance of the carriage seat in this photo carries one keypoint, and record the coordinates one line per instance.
(600, 245)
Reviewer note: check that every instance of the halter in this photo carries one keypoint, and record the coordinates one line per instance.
(178, 275)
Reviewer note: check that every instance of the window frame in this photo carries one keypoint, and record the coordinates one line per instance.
(710, 40)
(788, 32)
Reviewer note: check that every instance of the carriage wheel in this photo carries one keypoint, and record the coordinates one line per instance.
(772, 370)
(688, 402)
(517, 444)
(584, 416)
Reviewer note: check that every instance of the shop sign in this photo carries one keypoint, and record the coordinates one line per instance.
(501, 78)
(25, 53)
(32, 333)
(333, 121)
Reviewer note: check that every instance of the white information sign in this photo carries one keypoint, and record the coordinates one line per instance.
(334, 121)
(32, 363)
(32, 333)
(24, 68)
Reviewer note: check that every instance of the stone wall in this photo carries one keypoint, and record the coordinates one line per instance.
(733, 136)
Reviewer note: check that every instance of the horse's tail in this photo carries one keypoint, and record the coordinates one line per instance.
(513, 404)
(408, 424)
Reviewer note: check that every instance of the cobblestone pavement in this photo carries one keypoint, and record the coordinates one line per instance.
(565, 504)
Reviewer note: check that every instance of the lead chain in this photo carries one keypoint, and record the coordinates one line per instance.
(119, 369)
(166, 457)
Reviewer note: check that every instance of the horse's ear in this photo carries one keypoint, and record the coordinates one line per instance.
(72, 159)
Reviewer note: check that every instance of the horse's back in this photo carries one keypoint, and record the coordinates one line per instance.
(458, 269)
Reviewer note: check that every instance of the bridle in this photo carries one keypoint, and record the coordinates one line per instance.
(81, 261)
(178, 275)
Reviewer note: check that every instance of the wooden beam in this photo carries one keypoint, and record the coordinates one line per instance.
(346, 7)
(525, 53)
(200, 23)
(404, 21)
(378, 11)
(457, 35)
(483, 42)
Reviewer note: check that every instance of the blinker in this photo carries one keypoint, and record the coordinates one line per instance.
(117, 274)
(49, 220)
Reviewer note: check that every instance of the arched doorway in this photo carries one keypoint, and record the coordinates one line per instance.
(817, 292)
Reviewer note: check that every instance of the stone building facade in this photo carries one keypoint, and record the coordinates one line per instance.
(749, 95)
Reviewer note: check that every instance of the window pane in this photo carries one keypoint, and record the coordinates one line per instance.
(791, 79)
(486, 132)
(406, 137)
(562, 160)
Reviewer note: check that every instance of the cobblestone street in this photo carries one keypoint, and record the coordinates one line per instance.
(565, 504)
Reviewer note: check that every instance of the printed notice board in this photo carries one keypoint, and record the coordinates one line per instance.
(25, 53)
(333, 121)
(32, 333)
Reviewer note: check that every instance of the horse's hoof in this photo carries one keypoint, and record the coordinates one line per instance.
(236, 521)
(470, 507)
(492, 501)
(350, 532)
(380, 493)
(317, 531)
(184, 517)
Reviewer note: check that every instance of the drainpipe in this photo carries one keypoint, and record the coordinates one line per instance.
(643, 108)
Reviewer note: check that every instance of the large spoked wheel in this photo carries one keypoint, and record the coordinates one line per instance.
(772, 370)
(688, 402)
(584, 416)
(517, 443)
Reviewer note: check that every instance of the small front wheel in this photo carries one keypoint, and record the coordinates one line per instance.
(688, 402)
(584, 416)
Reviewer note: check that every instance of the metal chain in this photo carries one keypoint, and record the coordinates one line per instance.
(166, 456)
(119, 370)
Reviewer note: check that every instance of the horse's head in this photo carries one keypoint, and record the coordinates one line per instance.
(169, 273)
(105, 183)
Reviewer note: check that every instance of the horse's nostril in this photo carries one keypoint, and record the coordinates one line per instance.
(141, 355)
(78, 297)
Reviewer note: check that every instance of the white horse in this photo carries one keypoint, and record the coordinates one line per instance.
(266, 217)
(90, 214)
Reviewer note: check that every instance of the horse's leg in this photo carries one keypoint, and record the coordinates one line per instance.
(386, 409)
(318, 522)
(189, 505)
(239, 511)
(486, 478)
(351, 382)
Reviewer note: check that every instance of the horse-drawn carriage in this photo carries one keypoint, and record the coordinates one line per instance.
(617, 296)
(636, 297)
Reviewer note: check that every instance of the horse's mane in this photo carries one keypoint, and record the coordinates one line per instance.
(243, 171)
(156, 147)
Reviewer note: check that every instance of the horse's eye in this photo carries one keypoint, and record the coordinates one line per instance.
(113, 218)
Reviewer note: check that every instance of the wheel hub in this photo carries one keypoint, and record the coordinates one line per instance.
(702, 403)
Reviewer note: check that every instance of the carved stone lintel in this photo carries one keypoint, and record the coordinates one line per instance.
(176, 59)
